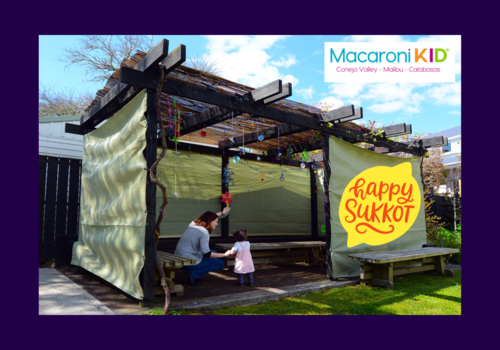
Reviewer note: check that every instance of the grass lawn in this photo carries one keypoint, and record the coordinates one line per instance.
(413, 295)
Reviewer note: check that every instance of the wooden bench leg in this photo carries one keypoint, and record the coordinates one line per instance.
(440, 265)
(176, 289)
(366, 274)
(383, 276)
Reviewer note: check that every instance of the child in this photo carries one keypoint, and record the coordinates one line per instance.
(243, 263)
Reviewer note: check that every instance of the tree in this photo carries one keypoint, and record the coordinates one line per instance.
(53, 102)
(205, 64)
(101, 55)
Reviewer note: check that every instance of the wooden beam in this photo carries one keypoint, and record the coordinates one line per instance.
(358, 114)
(73, 129)
(437, 141)
(286, 92)
(207, 118)
(337, 114)
(298, 148)
(122, 93)
(130, 76)
(272, 133)
(394, 130)
(196, 93)
(183, 147)
(314, 202)
(174, 59)
(342, 115)
(267, 91)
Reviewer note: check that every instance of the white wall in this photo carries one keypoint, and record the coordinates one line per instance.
(55, 142)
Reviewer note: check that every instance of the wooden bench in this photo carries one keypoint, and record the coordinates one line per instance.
(312, 253)
(170, 262)
(379, 268)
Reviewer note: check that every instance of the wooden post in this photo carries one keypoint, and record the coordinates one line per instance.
(314, 203)
(225, 187)
(42, 172)
(50, 207)
(326, 183)
(150, 237)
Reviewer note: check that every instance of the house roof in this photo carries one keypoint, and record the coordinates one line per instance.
(237, 126)
(455, 131)
(62, 118)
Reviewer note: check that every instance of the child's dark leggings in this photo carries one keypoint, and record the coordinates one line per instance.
(249, 277)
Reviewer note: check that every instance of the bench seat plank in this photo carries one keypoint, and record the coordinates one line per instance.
(401, 255)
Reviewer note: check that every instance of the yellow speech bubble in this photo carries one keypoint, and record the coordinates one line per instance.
(379, 205)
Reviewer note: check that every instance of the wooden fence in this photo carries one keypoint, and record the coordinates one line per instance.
(58, 209)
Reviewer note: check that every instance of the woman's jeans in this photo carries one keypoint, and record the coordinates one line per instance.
(205, 266)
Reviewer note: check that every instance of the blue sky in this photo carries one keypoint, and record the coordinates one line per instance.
(258, 60)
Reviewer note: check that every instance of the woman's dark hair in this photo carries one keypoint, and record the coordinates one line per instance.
(205, 219)
(240, 235)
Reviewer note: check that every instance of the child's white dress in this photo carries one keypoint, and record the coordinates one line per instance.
(243, 262)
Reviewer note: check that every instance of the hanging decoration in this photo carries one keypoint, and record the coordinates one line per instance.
(175, 171)
(305, 156)
(303, 165)
(252, 125)
(203, 133)
(242, 150)
(174, 123)
(227, 176)
(226, 198)
(262, 177)
(261, 136)
(236, 159)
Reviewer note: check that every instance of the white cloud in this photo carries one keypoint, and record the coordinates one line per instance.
(244, 59)
(457, 39)
(387, 97)
(347, 89)
(285, 62)
(455, 113)
(376, 38)
(306, 93)
(332, 102)
(446, 94)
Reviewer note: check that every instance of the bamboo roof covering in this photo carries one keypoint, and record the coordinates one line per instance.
(233, 127)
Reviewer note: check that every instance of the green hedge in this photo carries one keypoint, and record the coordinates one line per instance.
(451, 239)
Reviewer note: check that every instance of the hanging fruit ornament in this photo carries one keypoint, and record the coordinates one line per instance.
(303, 165)
(260, 138)
(323, 229)
(203, 133)
(262, 177)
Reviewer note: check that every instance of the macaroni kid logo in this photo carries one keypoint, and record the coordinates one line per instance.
(379, 205)
(389, 62)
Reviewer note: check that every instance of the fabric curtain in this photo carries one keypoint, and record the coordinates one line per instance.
(113, 204)
(376, 204)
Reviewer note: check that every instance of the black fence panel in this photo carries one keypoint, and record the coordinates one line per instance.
(59, 197)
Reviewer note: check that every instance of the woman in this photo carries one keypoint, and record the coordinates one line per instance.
(194, 245)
